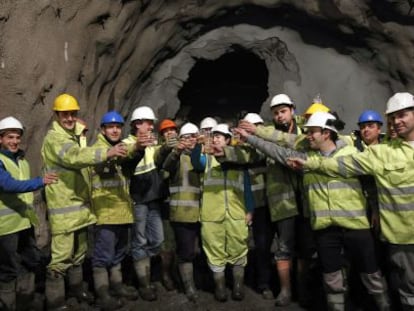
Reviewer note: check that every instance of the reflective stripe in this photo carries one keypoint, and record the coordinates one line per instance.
(109, 184)
(56, 169)
(335, 185)
(257, 187)
(65, 148)
(144, 168)
(184, 189)
(396, 191)
(339, 213)
(184, 203)
(343, 170)
(66, 210)
(398, 207)
(220, 182)
(9, 211)
(282, 196)
(98, 155)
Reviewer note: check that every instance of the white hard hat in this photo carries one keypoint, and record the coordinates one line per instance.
(143, 113)
(207, 122)
(222, 128)
(320, 119)
(253, 118)
(188, 128)
(281, 99)
(10, 123)
(399, 101)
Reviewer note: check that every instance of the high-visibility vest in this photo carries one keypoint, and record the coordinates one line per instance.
(335, 201)
(16, 209)
(111, 201)
(185, 192)
(68, 200)
(222, 192)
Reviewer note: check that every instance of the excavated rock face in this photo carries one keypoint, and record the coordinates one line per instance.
(121, 54)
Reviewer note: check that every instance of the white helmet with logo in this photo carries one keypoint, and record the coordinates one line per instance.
(222, 128)
(320, 119)
(10, 123)
(399, 101)
(143, 113)
(207, 122)
(253, 118)
(281, 99)
(188, 128)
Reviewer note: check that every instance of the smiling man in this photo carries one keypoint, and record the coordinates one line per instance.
(68, 200)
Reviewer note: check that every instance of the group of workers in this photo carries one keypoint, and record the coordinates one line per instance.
(306, 191)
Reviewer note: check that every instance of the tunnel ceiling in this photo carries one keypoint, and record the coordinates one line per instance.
(114, 54)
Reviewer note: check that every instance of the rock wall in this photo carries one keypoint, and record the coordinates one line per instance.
(118, 54)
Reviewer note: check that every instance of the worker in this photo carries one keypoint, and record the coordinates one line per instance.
(391, 164)
(169, 138)
(185, 193)
(338, 225)
(112, 206)
(68, 201)
(148, 191)
(262, 229)
(20, 256)
(223, 216)
(206, 136)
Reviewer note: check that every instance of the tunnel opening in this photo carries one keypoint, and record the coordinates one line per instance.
(225, 88)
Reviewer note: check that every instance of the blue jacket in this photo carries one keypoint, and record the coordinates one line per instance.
(9, 184)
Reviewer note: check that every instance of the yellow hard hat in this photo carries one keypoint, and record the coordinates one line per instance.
(316, 107)
(65, 102)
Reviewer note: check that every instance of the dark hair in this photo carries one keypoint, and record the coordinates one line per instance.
(338, 123)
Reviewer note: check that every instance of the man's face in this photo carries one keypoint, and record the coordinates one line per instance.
(190, 140)
(112, 131)
(315, 136)
(10, 140)
(220, 140)
(145, 126)
(370, 132)
(403, 122)
(169, 132)
(67, 119)
(282, 114)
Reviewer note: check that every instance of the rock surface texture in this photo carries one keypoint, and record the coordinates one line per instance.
(118, 54)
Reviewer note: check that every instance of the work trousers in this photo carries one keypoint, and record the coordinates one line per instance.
(186, 235)
(18, 254)
(111, 245)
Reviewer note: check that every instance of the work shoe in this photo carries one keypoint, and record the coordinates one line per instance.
(238, 283)
(123, 291)
(187, 276)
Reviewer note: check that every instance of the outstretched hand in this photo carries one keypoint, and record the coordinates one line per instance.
(295, 163)
(247, 126)
(119, 150)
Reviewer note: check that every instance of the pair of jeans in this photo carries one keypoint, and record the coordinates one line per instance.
(147, 233)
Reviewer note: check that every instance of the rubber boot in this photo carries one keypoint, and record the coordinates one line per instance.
(335, 287)
(187, 276)
(118, 288)
(167, 259)
(8, 295)
(142, 269)
(101, 284)
(220, 292)
(377, 288)
(25, 293)
(336, 302)
(55, 292)
(285, 294)
(76, 287)
(238, 283)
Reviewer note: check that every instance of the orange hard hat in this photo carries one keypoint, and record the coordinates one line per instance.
(165, 124)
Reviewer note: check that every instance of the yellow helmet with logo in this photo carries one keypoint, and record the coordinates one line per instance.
(65, 102)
